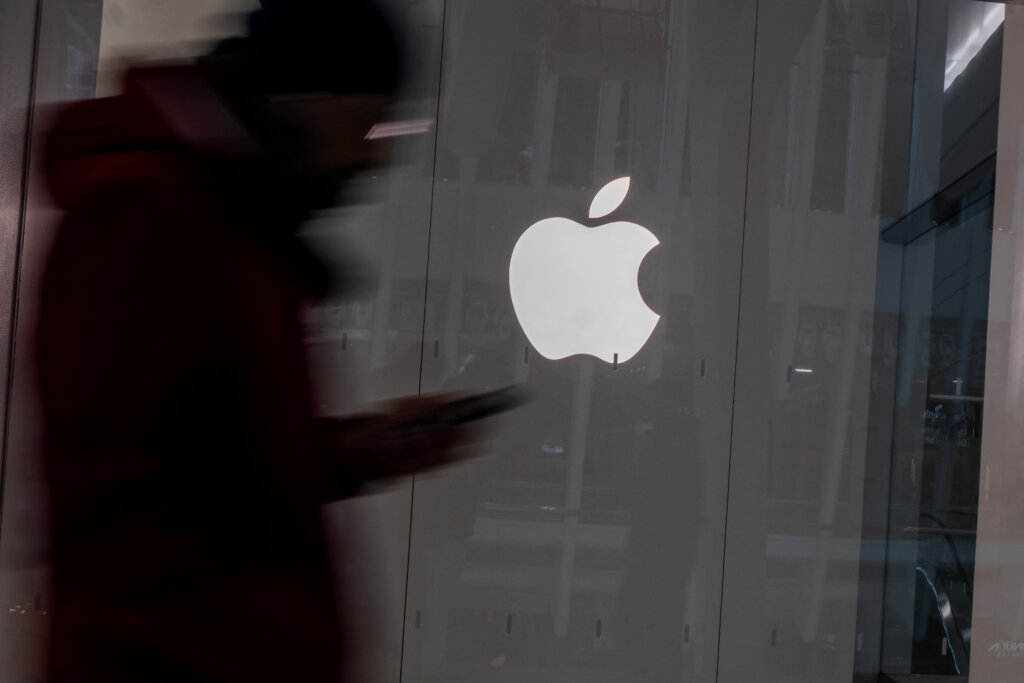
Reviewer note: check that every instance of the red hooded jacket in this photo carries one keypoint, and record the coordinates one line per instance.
(183, 458)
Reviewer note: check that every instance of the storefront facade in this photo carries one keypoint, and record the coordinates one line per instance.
(808, 471)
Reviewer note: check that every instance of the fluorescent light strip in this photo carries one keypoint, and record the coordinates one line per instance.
(397, 128)
(970, 48)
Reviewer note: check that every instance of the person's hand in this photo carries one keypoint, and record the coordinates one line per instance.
(416, 440)
(404, 438)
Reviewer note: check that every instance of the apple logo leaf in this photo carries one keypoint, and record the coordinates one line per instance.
(609, 197)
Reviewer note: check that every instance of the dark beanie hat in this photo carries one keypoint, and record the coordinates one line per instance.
(305, 46)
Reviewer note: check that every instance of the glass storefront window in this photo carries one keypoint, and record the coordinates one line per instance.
(808, 470)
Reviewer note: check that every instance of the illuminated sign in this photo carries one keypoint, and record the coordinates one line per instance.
(574, 288)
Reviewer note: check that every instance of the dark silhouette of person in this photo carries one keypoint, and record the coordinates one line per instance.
(184, 462)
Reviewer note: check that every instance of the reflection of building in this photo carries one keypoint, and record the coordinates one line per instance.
(607, 40)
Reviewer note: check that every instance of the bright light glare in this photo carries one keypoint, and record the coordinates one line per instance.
(803, 371)
(972, 45)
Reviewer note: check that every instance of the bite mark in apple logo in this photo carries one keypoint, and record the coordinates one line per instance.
(574, 288)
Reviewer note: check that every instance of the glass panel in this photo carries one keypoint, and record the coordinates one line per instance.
(587, 544)
(937, 440)
(803, 377)
(930, 346)
(62, 61)
(809, 221)
(22, 626)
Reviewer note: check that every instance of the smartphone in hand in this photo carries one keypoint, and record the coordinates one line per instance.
(475, 406)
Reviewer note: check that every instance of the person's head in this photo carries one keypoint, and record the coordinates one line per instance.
(325, 71)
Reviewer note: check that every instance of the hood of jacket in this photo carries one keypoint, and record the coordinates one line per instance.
(170, 127)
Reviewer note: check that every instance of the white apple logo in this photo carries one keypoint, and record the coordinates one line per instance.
(574, 288)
